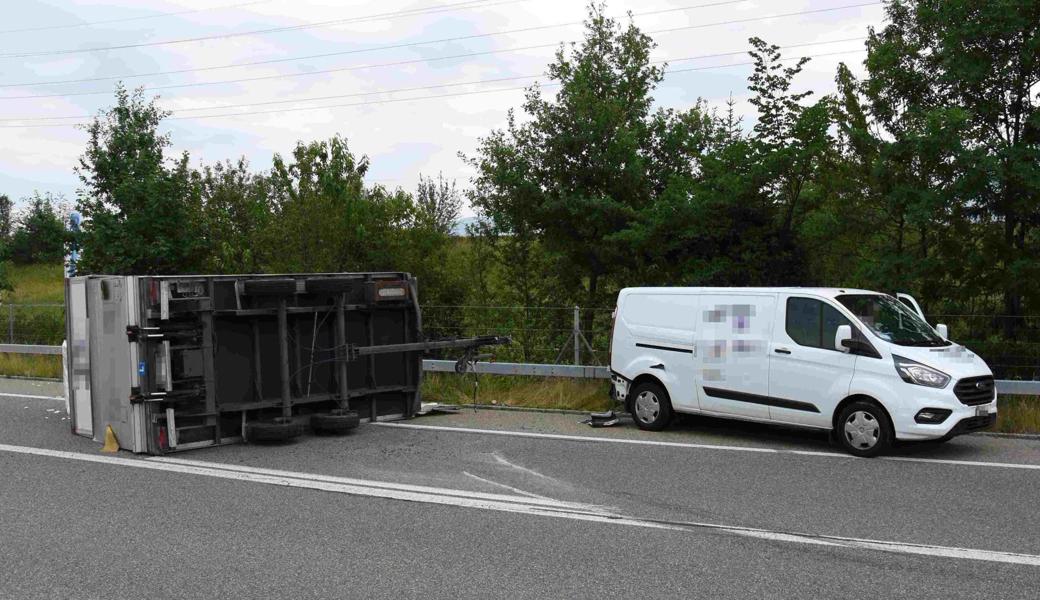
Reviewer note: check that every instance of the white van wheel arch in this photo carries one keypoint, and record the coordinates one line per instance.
(649, 404)
(635, 383)
(863, 427)
(849, 400)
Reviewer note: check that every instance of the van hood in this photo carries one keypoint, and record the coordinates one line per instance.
(954, 360)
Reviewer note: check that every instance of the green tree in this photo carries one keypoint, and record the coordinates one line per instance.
(792, 145)
(952, 84)
(236, 211)
(140, 215)
(6, 224)
(574, 175)
(437, 203)
(39, 235)
(325, 219)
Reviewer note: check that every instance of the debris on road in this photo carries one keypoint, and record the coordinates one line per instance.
(602, 419)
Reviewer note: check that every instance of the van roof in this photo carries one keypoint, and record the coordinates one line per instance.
(816, 291)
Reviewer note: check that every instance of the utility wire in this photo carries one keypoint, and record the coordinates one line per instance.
(372, 49)
(411, 44)
(395, 46)
(443, 85)
(222, 36)
(358, 68)
(139, 18)
(397, 100)
(290, 75)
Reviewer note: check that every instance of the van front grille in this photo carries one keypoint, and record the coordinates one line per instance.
(975, 390)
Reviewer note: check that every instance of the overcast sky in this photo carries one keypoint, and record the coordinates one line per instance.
(55, 41)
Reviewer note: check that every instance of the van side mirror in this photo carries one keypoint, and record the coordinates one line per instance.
(842, 335)
(943, 331)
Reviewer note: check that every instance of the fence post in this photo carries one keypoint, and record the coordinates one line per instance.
(10, 323)
(577, 335)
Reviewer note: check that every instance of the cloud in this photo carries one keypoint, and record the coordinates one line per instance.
(402, 137)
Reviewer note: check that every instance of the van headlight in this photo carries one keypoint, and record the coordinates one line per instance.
(916, 373)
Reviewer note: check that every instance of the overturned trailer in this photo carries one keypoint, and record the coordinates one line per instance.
(171, 363)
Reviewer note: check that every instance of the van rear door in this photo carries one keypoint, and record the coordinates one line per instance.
(732, 353)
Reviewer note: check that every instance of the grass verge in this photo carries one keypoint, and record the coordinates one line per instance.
(1018, 414)
(1015, 414)
(30, 365)
(527, 392)
(36, 284)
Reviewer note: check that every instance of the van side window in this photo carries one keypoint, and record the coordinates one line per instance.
(813, 323)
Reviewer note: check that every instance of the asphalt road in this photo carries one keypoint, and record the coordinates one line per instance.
(546, 507)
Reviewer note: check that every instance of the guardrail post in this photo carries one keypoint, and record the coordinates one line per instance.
(577, 335)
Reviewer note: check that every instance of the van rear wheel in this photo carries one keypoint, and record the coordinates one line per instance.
(651, 407)
(864, 429)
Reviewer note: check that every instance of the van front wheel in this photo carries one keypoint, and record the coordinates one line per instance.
(864, 429)
(651, 407)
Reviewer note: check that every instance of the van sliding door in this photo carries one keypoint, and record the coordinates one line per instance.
(732, 353)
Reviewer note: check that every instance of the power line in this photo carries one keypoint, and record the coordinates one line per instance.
(301, 74)
(412, 44)
(398, 100)
(378, 16)
(139, 18)
(359, 50)
(437, 86)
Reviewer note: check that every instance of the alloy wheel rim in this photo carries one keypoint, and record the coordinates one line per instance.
(862, 430)
(647, 407)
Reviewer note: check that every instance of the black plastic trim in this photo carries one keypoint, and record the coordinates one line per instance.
(757, 399)
(945, 412)
(970, 424)
(683, 350)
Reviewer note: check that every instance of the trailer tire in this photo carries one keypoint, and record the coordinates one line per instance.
(270, 287)
(279, 430)
(329, 285)
(337, 421)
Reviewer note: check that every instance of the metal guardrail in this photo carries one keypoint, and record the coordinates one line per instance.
(29, 349)
(1004, 386)
(537, 370)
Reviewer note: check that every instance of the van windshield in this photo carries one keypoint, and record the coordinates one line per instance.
(891, 320)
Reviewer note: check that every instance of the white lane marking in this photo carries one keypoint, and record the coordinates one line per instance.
(30, 396)
(503, 486)
(527, 506)
(589, 438)
(969, 463)
(384, 485)
(502, 461)
(449, 497)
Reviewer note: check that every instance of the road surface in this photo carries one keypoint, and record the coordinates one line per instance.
(520, 505)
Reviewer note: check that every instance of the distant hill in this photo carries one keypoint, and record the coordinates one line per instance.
(459, 229)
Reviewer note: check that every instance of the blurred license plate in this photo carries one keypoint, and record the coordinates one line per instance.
(981, 411)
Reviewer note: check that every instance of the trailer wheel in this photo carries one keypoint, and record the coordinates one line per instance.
(329, 285)
(279, 430)
(337, 421)
(270, 287)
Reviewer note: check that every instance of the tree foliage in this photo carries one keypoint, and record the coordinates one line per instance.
(136, 203)
(923, 175)
(39, 236)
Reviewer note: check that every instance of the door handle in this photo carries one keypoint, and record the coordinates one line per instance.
(781, 350)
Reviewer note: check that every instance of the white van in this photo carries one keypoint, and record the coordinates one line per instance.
(861, 364)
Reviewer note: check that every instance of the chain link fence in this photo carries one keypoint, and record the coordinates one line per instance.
(542, 334)
(549, 334)
(1009, 345)
(32, 323)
